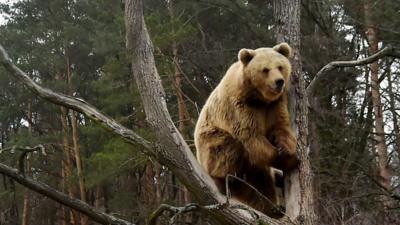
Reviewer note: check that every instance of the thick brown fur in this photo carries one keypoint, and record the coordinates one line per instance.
(244, 127)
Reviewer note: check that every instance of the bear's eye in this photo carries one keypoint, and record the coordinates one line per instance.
(265, 70)
(280, 68)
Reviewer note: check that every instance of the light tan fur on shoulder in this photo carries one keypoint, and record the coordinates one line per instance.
(244, 126)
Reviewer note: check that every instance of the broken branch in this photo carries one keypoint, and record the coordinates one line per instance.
(61, 198)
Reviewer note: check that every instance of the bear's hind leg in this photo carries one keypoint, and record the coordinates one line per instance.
(264, 182)
(225, 155)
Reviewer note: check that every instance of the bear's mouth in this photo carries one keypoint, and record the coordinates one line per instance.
(279, 89)
(266, 95)
(276, 90)
(272, 94)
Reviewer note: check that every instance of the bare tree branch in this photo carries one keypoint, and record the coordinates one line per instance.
(26, 150)
(387, 51)
(61, 198)
(76, 104)
(176, 211)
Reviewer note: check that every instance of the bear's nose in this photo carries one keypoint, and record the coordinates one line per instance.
(279, 84)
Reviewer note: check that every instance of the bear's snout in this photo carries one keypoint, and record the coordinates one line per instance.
(279, 83)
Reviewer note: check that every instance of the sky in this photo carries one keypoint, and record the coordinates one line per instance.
(2, 21)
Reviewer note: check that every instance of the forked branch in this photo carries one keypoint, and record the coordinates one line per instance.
(176, 211)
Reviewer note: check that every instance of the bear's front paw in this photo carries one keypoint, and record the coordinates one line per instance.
(286, 160)
(288, 144)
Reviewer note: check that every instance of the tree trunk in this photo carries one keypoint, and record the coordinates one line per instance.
(78, 160)
(158, 187)
(183, 115)
(67, 161)
(392, 102)
(380, 144)
(75, 139)
(183, 193)
(64, 211)
(299, 195)
(148, 182)
(100, 198)
(26, 205)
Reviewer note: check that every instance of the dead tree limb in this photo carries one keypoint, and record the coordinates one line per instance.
(76, 104)
(388, 51)
(61, 198)
(176, 211)
(26, 151)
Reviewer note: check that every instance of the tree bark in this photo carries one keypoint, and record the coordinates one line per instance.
(148, 182)
(26, 204)
(392, 103)
(64, 211)
(380, 142)
(67, 161)
(183, 115)
(298, 184)
(75, 138)
(78, 160)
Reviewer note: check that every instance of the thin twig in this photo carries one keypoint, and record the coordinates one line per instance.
(387, 51)
(259, 194)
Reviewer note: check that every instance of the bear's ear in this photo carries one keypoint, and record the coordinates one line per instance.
(284, 49)
(245, 55)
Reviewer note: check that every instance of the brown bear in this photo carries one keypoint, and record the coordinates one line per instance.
(244, 127)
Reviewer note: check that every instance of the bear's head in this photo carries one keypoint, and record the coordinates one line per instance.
(267, 70)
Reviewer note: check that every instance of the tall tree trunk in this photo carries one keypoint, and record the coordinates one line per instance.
(182, 111)
(64, 211)
(380, 144)
(183, 193)
(392, 102)
(148, 182)
(315, 148)
(67, 161)
(100, 200)
(299, 195)
(75, 139)
(26, 205)
(78, 160)
(183, 115)
(158, 187)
